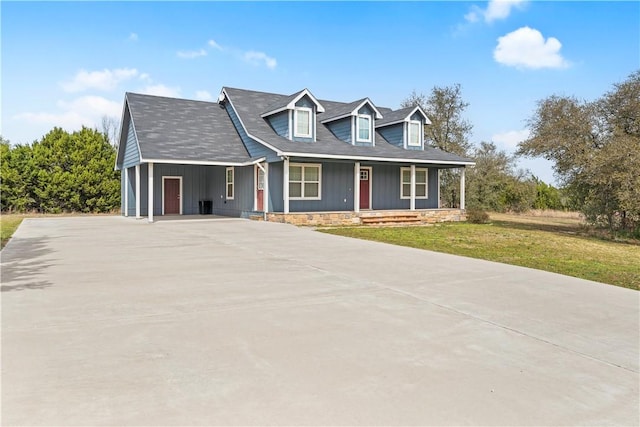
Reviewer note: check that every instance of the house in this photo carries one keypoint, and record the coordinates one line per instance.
(288, 158)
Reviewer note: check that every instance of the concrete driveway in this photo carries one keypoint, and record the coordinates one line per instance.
(113, 321)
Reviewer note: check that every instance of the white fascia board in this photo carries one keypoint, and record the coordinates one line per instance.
(204, 162)
(291, 105)
(266, 144)
(124, 110)
(368, 101)
(377, 159)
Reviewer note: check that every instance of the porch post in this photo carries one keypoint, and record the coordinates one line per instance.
(138, 191)
(126, 191)
(462, 189)
(356, 187)
(285, 185)
(150, 191)
(439, 170)
(412, 203)
(265, 191)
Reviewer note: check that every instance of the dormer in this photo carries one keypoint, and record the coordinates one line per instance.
(294, 117)
(354, 123)
(404, 128)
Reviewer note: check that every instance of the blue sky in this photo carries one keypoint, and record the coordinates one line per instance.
(69, 64)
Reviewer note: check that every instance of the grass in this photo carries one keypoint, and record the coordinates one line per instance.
(557, 244)
(9, 223)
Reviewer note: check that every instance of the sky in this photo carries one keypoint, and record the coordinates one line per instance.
(69, 64)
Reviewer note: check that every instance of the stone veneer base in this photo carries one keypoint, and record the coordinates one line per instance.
(427, 216)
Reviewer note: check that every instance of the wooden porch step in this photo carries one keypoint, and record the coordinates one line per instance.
(391, 219)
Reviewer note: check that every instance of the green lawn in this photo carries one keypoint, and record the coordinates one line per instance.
(8, 225)
(552, 245)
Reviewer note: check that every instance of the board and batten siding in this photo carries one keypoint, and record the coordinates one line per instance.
(386, 189)
(242, 202)
(131, 152)
(341, 129)
(392, 134)
(336, 190)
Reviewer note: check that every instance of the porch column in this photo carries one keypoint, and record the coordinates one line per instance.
(265, 191)
(356, 187)
(462, 189)
(439, 170)
(150, 191)
(138, 191)
(285, 185)
(125, 171)
(412, 202)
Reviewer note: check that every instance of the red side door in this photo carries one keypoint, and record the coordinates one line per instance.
(171, 196)
(365, 187)
(260, 190)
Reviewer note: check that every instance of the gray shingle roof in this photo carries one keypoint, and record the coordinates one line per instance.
(180, 129)
(394, 116)
(250, 104)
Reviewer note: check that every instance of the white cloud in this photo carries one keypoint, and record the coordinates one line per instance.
(133, 37)
(203, 95)
(509, 140)
(257, 58)
(190, 54)
(527, 48)
(104, 80)
(83, 111)
(161, 90)
(212, 43)
(496, 9)
(93, 105)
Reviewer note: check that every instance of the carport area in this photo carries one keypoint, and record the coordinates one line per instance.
(109, 321)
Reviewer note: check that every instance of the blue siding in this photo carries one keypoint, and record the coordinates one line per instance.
(276, 202)
(305, 101)
(366, 110)
(254, 148)
(386, 189)
(243, 191)
(341, 129)
(131, 152)
(417, 116)
(280, 123)
(337, 190)
(393, 134)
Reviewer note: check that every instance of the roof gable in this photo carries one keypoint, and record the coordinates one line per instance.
(402, 115)
(350, 109)
(290, 101)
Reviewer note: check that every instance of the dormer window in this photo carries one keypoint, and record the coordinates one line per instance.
(364, 128)
(415, 136)
(302, 120)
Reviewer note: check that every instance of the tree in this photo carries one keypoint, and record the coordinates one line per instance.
(495, 185)
(61, 172)
(595, 147)
(448, 131)
(110, 129)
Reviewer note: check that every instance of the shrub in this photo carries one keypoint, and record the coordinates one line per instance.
(477, 216)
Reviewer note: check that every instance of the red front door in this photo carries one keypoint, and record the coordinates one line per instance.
(365, 188)
(171, 196)
(260, 190)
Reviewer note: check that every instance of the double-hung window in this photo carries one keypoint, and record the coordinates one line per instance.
(229, 183)
(415, 136)
(302, 122)
(421, 183)
(364, 128)
(305, 181)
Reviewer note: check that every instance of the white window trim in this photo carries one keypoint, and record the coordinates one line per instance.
(426, 190)
(368, 117)
(303, 165)
(226, 182)
(180, 194)
(295, 122)
(420, 136)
